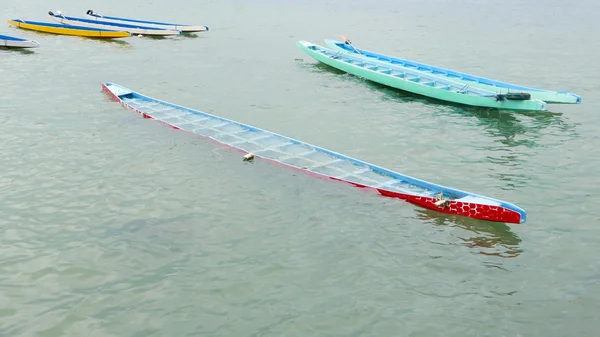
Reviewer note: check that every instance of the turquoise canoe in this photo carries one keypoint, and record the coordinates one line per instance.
(418, 82)
(316, 161)
(548, 96)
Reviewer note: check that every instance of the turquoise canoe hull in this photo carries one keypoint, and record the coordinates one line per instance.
(416, 82)
(548, 96)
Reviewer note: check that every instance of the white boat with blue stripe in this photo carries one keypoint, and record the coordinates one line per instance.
(156, 24)
(131, 28)
(17, 42)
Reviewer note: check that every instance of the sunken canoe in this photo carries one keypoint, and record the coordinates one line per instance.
(317, 161)
(17, 42)
(417, 82)
(133, 29)
(548, 96)
(156, 24)
(60, 29)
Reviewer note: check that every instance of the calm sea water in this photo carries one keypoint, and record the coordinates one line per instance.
(112, 225)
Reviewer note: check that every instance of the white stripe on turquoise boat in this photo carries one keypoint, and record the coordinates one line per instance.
(548, 96)
(411, 80)
(215, 127)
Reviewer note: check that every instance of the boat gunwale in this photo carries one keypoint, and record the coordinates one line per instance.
(457, 194)
(185, 28)
(99, 16)
(64, 26)
(12, 38)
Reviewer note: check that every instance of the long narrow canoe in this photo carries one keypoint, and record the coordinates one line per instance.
(417, 82)
(17, 42)
(176, 26)
(317, 161)
(60, 29)
(133, 29)
(547, 96)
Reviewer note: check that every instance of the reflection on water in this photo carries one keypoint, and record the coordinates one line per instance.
(509, 131)
(499, 123)
(190, 35)
(487, 238)
(506, 126)
(511, 181)
(152, 37)
(119, 42)
(17, 50)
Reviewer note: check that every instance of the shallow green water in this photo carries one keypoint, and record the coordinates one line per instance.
(112, 225)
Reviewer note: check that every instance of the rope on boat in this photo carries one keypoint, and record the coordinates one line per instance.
(336, 55)
(440, 201)
(464, 89)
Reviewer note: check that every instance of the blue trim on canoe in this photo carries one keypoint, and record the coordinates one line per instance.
(11, 38)
(98, 22)
(140, 21)
(60, 25)
(449, 192)
(451, 73)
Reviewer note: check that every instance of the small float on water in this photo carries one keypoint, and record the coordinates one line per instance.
(258, 143)
(548, 96)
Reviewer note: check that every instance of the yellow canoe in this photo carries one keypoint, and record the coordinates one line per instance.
(56, 28)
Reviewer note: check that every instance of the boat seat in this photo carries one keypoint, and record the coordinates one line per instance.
(318, 165)
(356, 174)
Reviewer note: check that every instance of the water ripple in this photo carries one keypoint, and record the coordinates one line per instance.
(115, 225)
